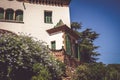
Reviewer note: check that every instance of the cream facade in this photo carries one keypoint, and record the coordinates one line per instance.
(33, 20)
(46, 20)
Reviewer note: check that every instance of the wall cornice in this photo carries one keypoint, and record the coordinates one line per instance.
(49, 2)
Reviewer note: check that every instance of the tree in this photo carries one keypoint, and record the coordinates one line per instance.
(76, 25)
(87, 47)
(24, 58)
(86, 43)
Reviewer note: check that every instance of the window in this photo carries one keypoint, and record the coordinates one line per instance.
(48, 16)
(1, 13)
(19, 15)
(9, 14)
(53, 45)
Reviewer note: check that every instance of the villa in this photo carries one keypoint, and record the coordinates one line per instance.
(47, 20)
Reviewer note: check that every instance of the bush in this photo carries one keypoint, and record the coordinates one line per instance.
(24, 58)
(43, 72)
(96, 71)
(82, 73)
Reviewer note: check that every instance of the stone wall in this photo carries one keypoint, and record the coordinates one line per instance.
(65, 58)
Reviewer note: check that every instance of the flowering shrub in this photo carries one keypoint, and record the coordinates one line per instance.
(24, 58)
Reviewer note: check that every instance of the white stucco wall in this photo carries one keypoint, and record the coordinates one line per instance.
(57, 37)
(34, 19)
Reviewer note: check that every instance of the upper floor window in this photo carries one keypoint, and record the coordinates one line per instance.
(48, 16)
(1, 13)
(19, 15)
(9, 14)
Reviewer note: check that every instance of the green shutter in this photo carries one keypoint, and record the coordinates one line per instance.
(48, 16)
(9, 14)
(21, 18)
(1, 13)
(78, 52)
(68, 45)
(53, 45)
(19, 15)
(47, 19)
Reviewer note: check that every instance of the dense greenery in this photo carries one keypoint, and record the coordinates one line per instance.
(75, 26)
(96, 71)
(25, 58)
(89, 69)
(88, 52)
(115, 66)
(87, 47)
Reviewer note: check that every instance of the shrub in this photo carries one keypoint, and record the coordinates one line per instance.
(96, 71)
(24, 58)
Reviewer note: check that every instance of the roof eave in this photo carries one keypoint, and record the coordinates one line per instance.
(63, 28)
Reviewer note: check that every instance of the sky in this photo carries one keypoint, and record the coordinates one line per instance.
(102, 16)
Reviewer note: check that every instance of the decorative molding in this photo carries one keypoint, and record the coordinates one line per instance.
(48, 2)
(11, 21)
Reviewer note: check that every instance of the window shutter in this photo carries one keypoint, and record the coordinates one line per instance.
(19, 15)
(48, 16)
(1, 13)
(53, 45)
(9, 14)
(68, 45)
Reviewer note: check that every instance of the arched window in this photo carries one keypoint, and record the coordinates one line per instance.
(9, 14)
(19, 15)
(1, 13)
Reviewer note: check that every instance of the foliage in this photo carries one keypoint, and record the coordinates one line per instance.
(113, 72)
(87, 47)
(115, 66)
(62, 67)
(76, 25)
(86, 43)
(42, 72)
(25, 58)
(82, 73)
(96, 71)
